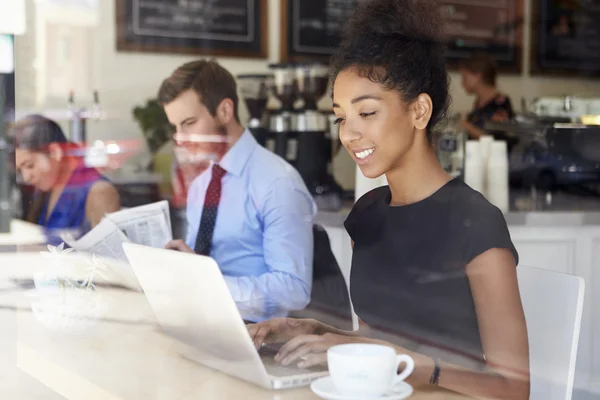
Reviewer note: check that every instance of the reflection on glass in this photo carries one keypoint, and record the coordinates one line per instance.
(67, 193)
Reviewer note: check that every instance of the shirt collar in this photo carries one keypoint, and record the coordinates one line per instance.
(237, 157)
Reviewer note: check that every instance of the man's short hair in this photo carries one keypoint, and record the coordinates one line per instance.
(211, 82)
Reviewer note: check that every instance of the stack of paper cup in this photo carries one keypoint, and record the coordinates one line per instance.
(474, 167)
(497, 176)
(364, 185)
(486, 146)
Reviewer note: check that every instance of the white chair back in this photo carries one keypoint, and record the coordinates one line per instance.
(553, 304)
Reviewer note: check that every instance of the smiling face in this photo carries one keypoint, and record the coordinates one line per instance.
(376, 126)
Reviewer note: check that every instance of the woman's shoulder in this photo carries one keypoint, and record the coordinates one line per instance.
(103, 198)
(364, 207)
(501, 100)
(478, 224)
(86, 177)
(372, 197)
(471, 205)
(102, 186)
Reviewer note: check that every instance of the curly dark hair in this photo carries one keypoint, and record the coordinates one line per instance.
(398, 44)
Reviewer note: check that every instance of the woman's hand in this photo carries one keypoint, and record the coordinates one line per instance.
(464, 124)
(473, 131)
(310, 350)
(500, 116)
(281, 330)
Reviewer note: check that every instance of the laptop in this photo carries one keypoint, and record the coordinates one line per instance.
(192, 303)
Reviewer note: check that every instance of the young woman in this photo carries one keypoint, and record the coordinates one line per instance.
(68, 194)
(432, 260)
(479, 78)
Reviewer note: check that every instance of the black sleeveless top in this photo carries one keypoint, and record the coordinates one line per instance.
(408, 265)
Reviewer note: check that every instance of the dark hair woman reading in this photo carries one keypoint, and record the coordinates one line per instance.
(68, 195)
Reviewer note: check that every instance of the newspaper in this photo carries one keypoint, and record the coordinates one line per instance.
(105, 240)
(148, 225)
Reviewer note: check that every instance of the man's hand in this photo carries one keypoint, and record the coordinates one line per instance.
(179, 245)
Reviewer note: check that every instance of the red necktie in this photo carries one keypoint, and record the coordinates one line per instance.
(209, 212)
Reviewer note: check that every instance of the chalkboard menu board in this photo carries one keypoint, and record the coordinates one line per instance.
(236, 28)
(311, 29)
(493, 27)
(566, 37)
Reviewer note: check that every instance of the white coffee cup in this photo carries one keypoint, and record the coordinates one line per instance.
(366, 370)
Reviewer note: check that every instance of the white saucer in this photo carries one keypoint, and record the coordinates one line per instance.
(324, 388)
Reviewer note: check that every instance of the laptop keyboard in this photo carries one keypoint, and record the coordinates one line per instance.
(267, 356)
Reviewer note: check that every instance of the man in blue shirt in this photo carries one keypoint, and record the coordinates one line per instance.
(249, 210)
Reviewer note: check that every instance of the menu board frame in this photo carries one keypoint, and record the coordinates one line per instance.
(286, 37)
(127, 44)
(536, 68)
(288, 55)
(514, 66)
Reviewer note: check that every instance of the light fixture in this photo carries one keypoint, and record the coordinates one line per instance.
(12, 17)
(12, 22)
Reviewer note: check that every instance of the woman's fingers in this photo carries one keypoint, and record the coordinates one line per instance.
(301, 347)
(252, 329)
(313, 359)
(293, 344)
(499, 116)
(303, 353)
(260, 336)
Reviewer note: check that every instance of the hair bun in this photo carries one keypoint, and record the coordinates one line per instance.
(397, 19)
(398, 44)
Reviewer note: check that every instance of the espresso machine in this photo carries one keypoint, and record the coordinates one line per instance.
(255, 91)
(314, 150)
(302, 136)
(282, 122)
(450, 147)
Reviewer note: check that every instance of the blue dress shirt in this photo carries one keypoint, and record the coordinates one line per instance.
(263, 239)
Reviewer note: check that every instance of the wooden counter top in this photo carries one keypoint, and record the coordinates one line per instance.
(124, 355)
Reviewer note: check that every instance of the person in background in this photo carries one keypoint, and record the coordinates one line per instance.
(68, 195)
(479, 78)
(250, 210)
(433, 263)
